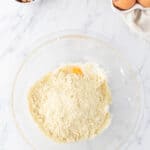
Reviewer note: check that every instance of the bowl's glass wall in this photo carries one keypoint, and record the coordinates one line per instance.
(126, 100)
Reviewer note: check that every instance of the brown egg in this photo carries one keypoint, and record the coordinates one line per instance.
(124, 4)
(144, 3)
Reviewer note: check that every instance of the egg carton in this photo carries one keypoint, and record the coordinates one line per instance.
(137, 18)
(136, 6)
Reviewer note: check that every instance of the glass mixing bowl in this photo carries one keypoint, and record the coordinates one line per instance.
(127, 99)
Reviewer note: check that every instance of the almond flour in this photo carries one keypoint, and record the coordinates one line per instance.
(71, 103)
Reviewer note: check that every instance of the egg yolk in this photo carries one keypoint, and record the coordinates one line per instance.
(73, 69)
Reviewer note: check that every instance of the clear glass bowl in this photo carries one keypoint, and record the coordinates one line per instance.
(127, 99)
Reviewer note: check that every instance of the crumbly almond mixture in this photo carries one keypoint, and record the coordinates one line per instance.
(71, 103)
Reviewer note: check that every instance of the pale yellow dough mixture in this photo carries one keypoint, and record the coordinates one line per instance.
(71, 103)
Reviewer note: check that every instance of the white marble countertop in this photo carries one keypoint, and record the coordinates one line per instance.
(20, 24)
